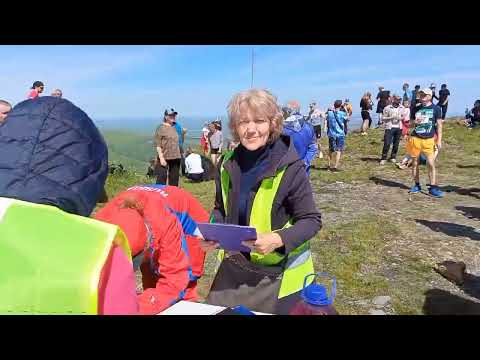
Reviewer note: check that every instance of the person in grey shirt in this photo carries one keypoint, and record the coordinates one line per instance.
(316, 117)
(215, 138)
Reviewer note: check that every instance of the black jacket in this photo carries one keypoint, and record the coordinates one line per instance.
(294, 199)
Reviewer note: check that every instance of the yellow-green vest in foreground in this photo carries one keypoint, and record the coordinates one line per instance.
(51, 261)
(299, 262)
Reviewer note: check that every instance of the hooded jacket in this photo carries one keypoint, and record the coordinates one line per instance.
(52, 153)
(293, 201)
(174, 260)
(303, 136)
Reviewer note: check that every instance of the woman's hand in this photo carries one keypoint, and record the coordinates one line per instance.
(265, 243)
(163, 162)
(207, 245)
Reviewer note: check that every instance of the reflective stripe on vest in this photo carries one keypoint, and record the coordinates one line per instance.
(50, 260)
(299, 262)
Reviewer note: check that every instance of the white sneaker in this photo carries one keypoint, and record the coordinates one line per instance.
(382, 162)
(393, 160)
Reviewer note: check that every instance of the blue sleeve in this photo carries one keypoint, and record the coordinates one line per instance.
(312, 147)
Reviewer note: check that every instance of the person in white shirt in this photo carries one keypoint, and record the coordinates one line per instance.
(193, 166)
(392, 118)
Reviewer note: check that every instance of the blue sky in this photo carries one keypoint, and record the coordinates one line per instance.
(139, 81)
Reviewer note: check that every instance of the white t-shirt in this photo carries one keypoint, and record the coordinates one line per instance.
(394, 116)
(193, 164)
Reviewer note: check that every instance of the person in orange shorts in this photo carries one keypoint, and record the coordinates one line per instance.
(426, 124)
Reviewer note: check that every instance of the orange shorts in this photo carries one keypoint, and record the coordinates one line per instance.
(416, 145)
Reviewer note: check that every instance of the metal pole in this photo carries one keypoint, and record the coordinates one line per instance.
(253, 59)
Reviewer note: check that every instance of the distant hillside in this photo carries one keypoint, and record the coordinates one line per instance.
(132, 150)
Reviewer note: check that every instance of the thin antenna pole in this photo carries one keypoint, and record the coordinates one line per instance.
(253, 59)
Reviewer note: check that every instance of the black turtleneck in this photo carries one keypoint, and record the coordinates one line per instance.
(252, 164)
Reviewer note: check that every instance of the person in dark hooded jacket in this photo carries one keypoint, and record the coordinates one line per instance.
(53, 169)
(263, 183)
(52, 154)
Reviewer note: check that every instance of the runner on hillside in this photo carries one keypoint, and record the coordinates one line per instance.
(427, 123)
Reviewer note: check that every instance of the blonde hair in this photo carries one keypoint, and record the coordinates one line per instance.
(260, 102)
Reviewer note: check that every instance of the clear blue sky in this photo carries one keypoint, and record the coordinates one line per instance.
(139, 81)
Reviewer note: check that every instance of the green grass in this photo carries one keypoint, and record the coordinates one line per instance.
(353, 252)
(132, 150)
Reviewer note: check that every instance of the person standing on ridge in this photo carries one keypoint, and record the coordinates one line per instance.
(366, 105)
(434, 95)
(5, 108)
(444, 95)
(382, 99)
(349, 110)
(215, 141)
(37, 89)
(57, 93)
(181, 131)
(168, 150)
(407, 94)
(415, 104)
(392, 118)
(302, 134)
(336, 134)
(316, 118)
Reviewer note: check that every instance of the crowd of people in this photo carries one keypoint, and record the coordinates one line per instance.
(261, 180)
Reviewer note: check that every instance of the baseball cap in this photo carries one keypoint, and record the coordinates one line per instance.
(37, 84)
(170, 111)
(426, 91)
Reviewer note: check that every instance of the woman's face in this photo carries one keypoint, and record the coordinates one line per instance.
(170, 119)
(253, 129)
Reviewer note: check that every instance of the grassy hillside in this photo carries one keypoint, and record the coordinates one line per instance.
(132, 150)
(376, 238)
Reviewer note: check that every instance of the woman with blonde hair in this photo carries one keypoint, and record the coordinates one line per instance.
(263, 184)
(366, 104)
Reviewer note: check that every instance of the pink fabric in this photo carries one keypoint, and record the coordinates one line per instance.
(33, 94)
(117, 286)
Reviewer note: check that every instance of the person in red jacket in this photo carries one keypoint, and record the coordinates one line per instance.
(161, 226)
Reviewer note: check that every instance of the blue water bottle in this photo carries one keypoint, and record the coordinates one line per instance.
(315, 299)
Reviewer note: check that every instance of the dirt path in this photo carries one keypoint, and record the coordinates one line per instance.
(430, 230)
